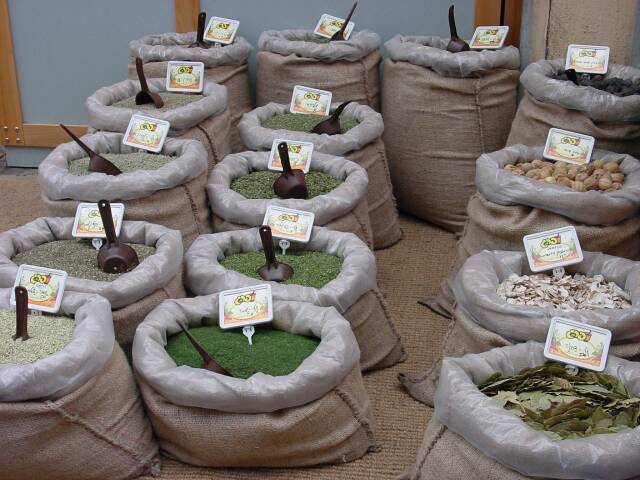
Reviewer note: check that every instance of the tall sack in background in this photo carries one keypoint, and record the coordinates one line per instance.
(613, 121)
(442, 111)
(348, 69)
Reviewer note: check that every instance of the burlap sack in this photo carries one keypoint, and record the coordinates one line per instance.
(441, 111)
(343, 209)
(613, 121)
(354, 293)
(508, 207)
(349, 69)
(206, 120)
(133, 294)
(173, 196)
(362, 145)
(77, 413)
(320, 413)
(226, 66)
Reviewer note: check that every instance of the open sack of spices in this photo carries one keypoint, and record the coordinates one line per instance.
(69, 405)
(510, 205)
(197, 116)
(499, 302)
(47, 242)
(225, 65)
(359, 140)
(168, 188)
(551, 100)
(348, 68)
(241, 189)
(293, 398)
(442, 110)
(335, 269)
(508, 414)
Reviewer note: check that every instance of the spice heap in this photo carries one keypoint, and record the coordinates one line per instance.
(597, 175)
(259, 184)
(49, 334)
(273, 352)
(305, 123)
(561, 405)
(171, 101)
(77, 258)
(126, 162)
(616, 86)
(311, 269)
(568, 293)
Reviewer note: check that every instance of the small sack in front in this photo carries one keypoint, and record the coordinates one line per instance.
(483, 320)
(320, 413)
(507, 207)
(472, 436)
(443, 110)
(206, 120)
(133, 294)
(548, 103)
(348, 69)
(75, 414)
(361, 144)
(343, 209)
(226, 65)
(354, 292)
(174, 195)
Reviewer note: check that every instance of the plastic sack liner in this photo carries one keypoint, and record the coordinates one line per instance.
(591, 208)
(503, 436)
(68, 369)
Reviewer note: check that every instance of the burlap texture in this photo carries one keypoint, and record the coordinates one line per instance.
(436, 127)
(214, 133)
(97, 432)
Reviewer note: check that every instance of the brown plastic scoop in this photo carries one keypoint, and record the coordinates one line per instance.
(22, 309)
(209, 363)
(290, 183)
(113, 256)
(200, 43)
(456, 44)
(97, 163)
(339, 35)
(145, 95)
(273, 270)
(572, 75)
(331, 126)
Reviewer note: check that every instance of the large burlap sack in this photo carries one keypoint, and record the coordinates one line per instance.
(173, 195)
(483, 440)
(320, 413)
(76, 413)
(362, 145)
(133, 294)
(442, 110)
(547, 103)
(354, 292)
(482, 320)
(343, 209)
(206, 120)
(226, 66)
(348, 69)
(507, 207)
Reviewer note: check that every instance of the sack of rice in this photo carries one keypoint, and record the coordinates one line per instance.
(442, 110)
(294, 398)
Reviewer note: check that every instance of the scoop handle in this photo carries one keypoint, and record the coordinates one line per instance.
(283, 152)
(206, 357)
(452, 23)
(267, 244)
(82, 145)
(141, 77)
(338, 111)
(202, 18)
(104, 207)
(348, 19)
(22, 308)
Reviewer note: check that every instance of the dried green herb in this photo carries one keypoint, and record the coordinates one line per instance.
(259, 184)
(126, 162)
(299, 122)
(171, 100)
(550, 399)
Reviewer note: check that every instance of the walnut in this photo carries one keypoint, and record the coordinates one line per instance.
(605, 183)
(611, 167)
(617, 177)
(578, 186)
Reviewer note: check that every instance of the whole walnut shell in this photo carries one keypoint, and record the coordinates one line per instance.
(564, 181)
(578, 186)
(537, 163)
(582, 176)
(617, 177)
(598, 163)
(611, 167)
(546, 172)
(526, 166)
(616, 186)
(605, 183)
(518, 171)
(550, 180)
(591, 183)
(534, 173)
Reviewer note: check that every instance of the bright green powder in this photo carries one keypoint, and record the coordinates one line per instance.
(311, 269)
(77, 258)
(126, 162)
(171, 100)
(48, 335)
(259, 184)
(298, 122)
(273, 352)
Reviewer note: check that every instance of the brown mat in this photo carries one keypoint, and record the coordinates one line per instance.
(407, 271)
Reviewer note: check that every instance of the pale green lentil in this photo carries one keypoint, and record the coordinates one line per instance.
(126, 162)
(299, 122)
(171, 100)
(259, 184)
